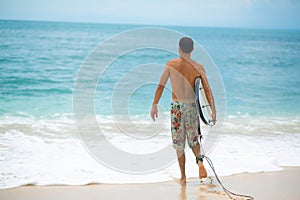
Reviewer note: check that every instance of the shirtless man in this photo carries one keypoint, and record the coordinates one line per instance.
(183, 72)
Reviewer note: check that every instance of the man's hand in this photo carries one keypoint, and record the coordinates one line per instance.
(214, 116)
(154, 112)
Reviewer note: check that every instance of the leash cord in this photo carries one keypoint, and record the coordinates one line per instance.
(228, 192)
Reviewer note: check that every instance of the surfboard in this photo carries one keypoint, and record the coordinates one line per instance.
(203, 107)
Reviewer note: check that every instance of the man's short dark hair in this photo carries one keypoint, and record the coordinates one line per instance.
(186, 45)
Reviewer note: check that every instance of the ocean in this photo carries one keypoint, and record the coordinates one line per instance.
(40, 63)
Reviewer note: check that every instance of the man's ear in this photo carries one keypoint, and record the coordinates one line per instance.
(179, 50)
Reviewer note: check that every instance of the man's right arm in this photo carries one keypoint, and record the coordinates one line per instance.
(208, 92)
(209, 95)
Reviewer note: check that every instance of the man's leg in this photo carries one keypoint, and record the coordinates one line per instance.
(192, 124)
(202, 170)
(178, 138)
(181, 162)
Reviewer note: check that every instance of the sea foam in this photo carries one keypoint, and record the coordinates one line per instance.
(49, 151)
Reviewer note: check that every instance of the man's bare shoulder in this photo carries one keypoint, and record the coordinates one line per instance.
(198, 66)
(173, 62)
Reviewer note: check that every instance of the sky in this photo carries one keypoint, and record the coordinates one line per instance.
(279, 14)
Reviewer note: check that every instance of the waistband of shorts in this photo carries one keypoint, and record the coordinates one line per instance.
(182, 103)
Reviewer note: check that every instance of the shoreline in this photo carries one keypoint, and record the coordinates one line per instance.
(261, 185)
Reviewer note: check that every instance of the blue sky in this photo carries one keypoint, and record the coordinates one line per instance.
(213, 13)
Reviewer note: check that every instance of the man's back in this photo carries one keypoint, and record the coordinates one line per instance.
(183, 73)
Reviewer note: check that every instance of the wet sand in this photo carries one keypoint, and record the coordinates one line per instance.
(262, 186)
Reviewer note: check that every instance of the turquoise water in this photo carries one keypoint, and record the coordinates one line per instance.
(39, 62)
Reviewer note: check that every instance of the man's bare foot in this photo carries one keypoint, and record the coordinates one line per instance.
(202, 170)
(182, 181)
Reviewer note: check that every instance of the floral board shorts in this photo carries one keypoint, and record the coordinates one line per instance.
(184, 124)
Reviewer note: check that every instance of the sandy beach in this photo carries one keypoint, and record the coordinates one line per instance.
(262, 186)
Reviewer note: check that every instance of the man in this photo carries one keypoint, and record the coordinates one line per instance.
(183, 72)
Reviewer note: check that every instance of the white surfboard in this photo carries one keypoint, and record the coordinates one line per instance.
(204, 109)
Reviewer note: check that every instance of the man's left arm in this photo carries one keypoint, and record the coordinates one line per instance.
(160, 88)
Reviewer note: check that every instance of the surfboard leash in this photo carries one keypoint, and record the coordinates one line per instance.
(228, 192)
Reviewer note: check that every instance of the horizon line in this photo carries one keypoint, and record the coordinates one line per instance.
(147, 24)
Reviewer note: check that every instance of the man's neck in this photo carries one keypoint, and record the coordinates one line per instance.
(186, 56)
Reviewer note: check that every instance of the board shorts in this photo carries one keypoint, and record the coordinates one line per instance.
(184, 125)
